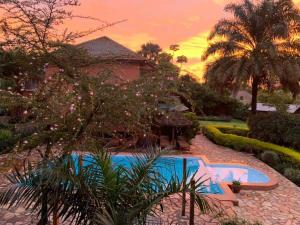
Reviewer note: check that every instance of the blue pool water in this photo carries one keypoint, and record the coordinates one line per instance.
(213, 174)
(228, 173)
(170, 166)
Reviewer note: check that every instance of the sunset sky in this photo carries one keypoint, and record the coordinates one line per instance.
(165, 22)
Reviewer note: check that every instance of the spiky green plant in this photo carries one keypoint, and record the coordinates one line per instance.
(96, 191)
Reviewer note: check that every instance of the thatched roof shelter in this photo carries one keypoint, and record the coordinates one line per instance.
(173, 119)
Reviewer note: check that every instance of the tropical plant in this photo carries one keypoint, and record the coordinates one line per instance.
(205, 101)
(259, 46)
(94, 190)
(181, 59)
(236, 183)
(150, 51)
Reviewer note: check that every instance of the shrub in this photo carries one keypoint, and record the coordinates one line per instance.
(216, 118)
(26, 129)
(233, 130)
(249, 144)
(270, 157)
(293, 175)
(7, 140)
(5, 134)
(278, 128)
(206, 101)
(191, 132)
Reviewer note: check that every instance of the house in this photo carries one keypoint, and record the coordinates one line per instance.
(113, 57)
(265, 108)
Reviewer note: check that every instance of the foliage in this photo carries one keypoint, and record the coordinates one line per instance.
(280, 158)
(270, 158)
(18, 67)
(98, 192)
(293, 175)
(234, 130)
(150, 51)
(7, 140)
(278, 128)
(249, 144)
(258, 45)
(34, 25)
(192, 132)
(236, 183)
(276, 97)
(216, 118)
(181, 59)
(205, 101)
(74, 112)
(232, 123)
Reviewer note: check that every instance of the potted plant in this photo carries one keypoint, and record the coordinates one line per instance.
(236, 186)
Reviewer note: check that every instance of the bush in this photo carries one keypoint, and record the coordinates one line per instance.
(216, 118)
(206, 101)
(270, 158)
(249, 144)
(293, 175)
(7, 140)
(192, 132)
(233, 130)
(278, 128)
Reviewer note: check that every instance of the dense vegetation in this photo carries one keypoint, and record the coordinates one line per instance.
(278, 128)
(258, 45)
(205, 101)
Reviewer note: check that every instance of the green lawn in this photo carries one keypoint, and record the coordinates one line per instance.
(232, 123)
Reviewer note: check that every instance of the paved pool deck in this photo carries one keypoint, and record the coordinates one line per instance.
(280, 206)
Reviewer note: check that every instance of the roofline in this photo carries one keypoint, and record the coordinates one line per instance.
(140, 56)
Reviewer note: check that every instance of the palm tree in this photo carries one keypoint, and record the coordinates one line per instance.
(94, 190)
(150, 51)
(257, 46)
(182, 59)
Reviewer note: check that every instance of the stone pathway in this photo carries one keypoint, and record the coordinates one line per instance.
(280, 206)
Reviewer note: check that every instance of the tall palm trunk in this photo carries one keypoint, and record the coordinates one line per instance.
(255, 83)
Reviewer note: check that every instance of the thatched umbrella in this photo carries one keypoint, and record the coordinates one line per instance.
(173, 120)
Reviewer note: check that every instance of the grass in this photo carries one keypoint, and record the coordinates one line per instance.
(232, 123)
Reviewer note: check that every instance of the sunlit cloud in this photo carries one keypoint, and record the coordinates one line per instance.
(193, 48)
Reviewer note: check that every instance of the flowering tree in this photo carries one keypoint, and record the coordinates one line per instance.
(34, 25)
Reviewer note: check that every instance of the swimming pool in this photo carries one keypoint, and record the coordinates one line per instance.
(213, 174)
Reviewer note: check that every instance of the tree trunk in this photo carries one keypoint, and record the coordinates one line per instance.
(55, 216)
(44, 200)
(44, 209)
(254, 95)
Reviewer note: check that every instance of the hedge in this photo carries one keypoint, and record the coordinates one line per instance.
(244, 143)
(233, 130)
